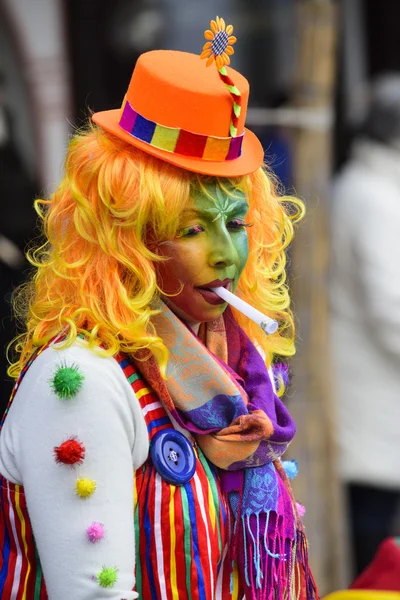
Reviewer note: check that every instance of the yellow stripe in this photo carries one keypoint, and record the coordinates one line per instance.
(142, 392)
(135, 497)
(235, 578)
(23, 531)
(174, 589)
(211, 507)
(165, 138)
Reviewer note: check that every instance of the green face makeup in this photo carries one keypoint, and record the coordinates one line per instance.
(210, 249)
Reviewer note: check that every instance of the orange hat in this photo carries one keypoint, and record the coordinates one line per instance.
(187, 115)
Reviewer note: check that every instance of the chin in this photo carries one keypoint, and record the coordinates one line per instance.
(209, 315)
(201, 315)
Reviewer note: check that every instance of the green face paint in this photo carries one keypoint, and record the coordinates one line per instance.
(211, 249)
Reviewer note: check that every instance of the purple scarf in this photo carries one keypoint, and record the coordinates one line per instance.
(219, 389)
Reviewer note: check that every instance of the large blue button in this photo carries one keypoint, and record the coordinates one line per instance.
(173, 456)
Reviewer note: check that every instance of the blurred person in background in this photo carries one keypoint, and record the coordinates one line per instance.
(365, 321)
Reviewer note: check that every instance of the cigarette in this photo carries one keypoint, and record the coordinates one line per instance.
(268, 325)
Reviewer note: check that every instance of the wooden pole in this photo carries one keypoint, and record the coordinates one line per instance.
(318, 484)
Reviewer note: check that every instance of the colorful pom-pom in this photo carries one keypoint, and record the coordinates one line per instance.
(67, 382)
(95, 532)
(291, 468)
(301, 509)
(70, 452)
(107, 577)
(85, 487)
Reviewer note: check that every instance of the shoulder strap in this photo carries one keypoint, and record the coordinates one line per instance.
(155, 415)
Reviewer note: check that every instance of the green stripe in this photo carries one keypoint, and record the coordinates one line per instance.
(133, 377)
(138, 584)
(236, 109)
(214, 492)
(233, 89)
(187, 540)
(233, 130)
(39, 576)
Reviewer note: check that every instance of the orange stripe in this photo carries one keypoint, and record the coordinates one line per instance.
(216, 149)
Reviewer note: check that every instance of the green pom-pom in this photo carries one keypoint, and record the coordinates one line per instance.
(107, 577)
(67, 381)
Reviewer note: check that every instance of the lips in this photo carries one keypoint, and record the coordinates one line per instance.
(216, 283)
(210, 296)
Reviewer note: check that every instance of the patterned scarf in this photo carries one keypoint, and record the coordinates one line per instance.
(219, 389)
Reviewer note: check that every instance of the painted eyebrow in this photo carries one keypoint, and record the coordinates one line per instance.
(238, 208)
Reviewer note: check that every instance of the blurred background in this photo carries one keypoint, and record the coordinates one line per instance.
(311, 65)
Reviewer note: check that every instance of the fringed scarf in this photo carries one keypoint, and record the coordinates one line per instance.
(219, 389)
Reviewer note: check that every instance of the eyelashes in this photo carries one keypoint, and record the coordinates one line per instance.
(235, 225)
(190, 231)
(238, 224)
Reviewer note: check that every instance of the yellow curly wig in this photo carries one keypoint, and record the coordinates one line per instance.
(94, 274)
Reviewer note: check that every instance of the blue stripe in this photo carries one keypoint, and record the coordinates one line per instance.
(5, 549)
(221, 504)
(195, 542)
(124, 363)
(143, 129)
(147, 529)
(222, 509)
(157, 422)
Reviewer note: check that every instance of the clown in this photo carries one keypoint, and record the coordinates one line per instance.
(140, 453)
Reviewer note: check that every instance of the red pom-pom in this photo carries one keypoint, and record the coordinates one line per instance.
(70, 452)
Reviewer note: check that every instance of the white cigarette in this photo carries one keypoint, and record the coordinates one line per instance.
(267, 324)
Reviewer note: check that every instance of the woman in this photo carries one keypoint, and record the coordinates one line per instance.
(132, 363)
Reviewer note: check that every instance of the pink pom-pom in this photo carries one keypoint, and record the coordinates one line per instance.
(95, 532)
(301, 510)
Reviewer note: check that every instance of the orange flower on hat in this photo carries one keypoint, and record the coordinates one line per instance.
(218, 48)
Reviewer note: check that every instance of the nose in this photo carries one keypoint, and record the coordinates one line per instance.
(223, 251)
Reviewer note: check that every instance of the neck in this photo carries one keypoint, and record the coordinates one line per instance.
(194, 327)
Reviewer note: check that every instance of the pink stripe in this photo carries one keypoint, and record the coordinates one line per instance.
(18, 564)
(158, 540)
(128, 118)
(6, 595)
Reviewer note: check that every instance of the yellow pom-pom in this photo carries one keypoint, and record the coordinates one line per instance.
(85, 487)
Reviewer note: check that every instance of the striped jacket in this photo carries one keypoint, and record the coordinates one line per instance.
(182, 532)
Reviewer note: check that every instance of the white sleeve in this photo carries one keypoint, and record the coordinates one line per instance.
(105, 417)
(377, 247)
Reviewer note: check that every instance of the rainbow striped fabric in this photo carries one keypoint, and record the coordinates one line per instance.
(21, 575)
(179, 141)
(20, 571)
(182, 532)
